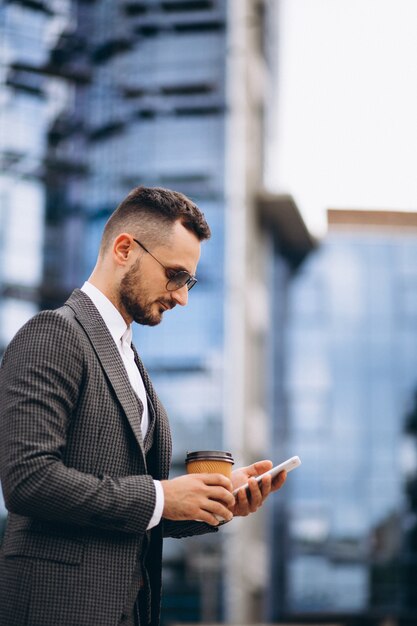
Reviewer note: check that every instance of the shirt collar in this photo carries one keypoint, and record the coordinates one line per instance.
(111, 316)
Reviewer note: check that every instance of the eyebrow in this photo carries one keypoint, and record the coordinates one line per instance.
(179, 268)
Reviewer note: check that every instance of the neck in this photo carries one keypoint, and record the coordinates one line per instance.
(110, 291)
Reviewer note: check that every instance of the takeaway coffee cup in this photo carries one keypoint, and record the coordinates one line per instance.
(210, 461)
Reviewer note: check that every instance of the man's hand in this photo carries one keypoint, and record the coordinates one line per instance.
(249, 500)
(198, 497)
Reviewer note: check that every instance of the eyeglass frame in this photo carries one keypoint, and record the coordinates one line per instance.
(189, 282)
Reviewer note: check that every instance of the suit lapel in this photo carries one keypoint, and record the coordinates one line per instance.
(152, 399)
(109, 357)
(158, 426)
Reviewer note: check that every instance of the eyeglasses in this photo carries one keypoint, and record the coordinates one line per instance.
(177, 280)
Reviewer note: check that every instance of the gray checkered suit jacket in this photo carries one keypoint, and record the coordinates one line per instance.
(77, 476)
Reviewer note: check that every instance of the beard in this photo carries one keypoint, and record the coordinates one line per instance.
(132, 297)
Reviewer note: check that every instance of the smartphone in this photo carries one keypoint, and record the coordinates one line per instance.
(287, 465)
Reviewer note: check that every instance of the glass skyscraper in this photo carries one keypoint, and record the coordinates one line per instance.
(30, 96)
(351, 353)
(27, 102)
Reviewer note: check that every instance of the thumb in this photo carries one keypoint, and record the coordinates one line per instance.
(259, 468)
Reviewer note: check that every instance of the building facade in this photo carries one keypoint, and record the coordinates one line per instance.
(29, 100)
(31, 94)
(351, 351)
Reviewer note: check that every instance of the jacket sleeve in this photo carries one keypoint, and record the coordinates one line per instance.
(186, 528)
(41, 377)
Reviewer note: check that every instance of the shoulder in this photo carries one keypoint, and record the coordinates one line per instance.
(47, 333)
(56, 323)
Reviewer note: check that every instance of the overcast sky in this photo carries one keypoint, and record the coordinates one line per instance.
(345, 133)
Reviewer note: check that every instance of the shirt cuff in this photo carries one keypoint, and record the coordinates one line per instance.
(159, 506)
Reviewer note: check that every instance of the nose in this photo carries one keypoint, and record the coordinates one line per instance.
(180, 296)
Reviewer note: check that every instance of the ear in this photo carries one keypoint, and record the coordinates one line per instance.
(122, 248)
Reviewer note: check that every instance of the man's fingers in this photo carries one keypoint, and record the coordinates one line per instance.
(186, 496)
(216, 508)
(242, 502)
(279, 480)
(218, 495)
(260, 467)
(206, 516)
(255, 494)
(216, 479)
(250, 499)
(221, 494)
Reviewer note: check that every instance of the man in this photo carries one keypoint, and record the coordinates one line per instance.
(85, 445)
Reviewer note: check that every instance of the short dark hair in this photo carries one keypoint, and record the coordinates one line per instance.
(152, 211)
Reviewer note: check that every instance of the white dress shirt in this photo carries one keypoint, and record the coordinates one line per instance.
(122, 336)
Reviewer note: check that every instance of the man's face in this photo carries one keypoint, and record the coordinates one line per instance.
(143, 295)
